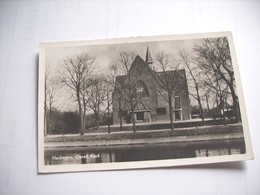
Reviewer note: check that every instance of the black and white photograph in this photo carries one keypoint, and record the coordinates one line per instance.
(140, 102)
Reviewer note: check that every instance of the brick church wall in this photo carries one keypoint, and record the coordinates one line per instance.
(155, 100)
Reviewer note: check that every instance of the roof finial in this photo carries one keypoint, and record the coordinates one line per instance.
(148, 57)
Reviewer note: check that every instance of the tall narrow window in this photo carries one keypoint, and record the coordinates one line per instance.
(177, 101)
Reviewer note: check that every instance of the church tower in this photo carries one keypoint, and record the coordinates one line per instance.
(148, 58)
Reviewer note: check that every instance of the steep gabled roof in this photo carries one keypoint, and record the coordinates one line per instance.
(158, 76)
(138, 61)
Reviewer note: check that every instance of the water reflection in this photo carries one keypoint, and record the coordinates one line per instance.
(143, 152)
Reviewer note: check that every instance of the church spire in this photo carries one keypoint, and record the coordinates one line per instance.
(148, 57)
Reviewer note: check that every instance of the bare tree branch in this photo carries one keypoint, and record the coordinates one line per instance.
(76, 73)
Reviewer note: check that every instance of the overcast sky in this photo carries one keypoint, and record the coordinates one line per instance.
(104, 55)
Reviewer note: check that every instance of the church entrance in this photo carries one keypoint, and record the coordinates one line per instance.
(140, 116)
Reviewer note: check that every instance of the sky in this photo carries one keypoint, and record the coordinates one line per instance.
(105, 54)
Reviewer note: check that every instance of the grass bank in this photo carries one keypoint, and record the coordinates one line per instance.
(161, 125)
(191, 132)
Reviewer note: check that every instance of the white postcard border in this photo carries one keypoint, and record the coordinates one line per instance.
(140, 164)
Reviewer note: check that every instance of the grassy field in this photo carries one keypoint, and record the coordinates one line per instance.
(205, 130)
(161, 125)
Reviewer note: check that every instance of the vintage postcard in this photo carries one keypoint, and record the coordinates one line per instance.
(139, 103)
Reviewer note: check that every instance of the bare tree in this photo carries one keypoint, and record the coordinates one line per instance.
(129, 72)
(218, 87)
(128, 78)
(169, 79)
(97, 97)
(110, 86)
(51, 88)
(51, 95)
(85, 93)
(77, 70)
(213, 56)
(117, 82)
(207, 99)
(46, 75)
(193, 71)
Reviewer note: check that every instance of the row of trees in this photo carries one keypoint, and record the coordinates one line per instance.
(67, 122)
(210, 78)
(208, 66)
(211, 75)
(89, 91)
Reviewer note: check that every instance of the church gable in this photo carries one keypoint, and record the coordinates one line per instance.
(148, 95)
(140, 67)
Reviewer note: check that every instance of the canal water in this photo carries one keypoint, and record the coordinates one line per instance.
(86, 155)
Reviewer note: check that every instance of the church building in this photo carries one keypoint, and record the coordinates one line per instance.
(146, 91)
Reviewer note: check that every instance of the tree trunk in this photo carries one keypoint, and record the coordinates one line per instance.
(45, 103)
(84, 112)
(235, 105)
(45, 109)
(200, 106)
(45, 123)
(97, 125)
(207, 100)
(49, 119)
(108, 114)
(171, 110)
(132, 114)
(217, 107)
(223, 110)
(120, 115)
(97, 119)
(80, 114)
(84, 118)
(48, 124)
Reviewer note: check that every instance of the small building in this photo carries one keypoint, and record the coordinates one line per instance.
(144, 90)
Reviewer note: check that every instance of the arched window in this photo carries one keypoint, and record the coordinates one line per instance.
(141, 89)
